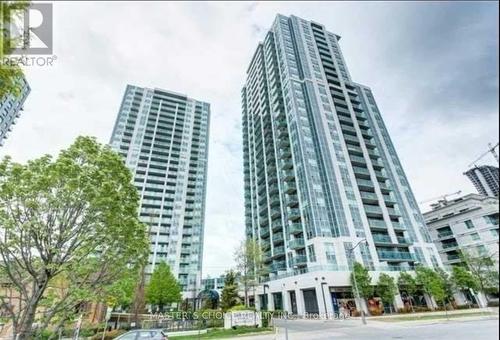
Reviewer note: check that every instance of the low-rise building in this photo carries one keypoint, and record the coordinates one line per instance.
(467, 223)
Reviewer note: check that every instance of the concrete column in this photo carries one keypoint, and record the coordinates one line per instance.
(287, 304)
(398, 301)
(301, 310)
(270, 301)
(481, 299)
(324, 300)
(429, 300)
(257, 302)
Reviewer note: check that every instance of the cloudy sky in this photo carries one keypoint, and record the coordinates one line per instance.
(432, 67)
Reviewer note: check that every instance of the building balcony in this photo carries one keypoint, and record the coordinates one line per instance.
(293, 214)
(361, 171)
(296, 243)
(273, 189)
(278, 238)
(445, 234)
(381, 239)
(277, 225)
(266, 245)
(393, 212)
(275, 213)
(264, 232)
(279, 251)
(289, 188)
(286, 164)
(295, 228)
(398, 226)
(365, 184)
(299, 260)
(369, 197)
(356, 160)
(377, 224)
(288, 175)
(278, 266)
(373, 210)
(285, 153)
(403, 240)
(449, 247)
(395, 256)
(292, 200)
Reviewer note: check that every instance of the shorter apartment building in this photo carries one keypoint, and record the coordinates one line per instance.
(467, 223)
(213, 283)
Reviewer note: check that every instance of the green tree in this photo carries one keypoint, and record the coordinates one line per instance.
(464, 280)
(431, 283)
(72, 219)
(483, 269)
(121, 293)
(249, 264)
(386, 289)
(407, 282)
(363, 281)
(9, 74)
(163, 288)
(230, 296)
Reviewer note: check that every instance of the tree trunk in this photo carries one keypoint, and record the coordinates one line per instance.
(24, 329)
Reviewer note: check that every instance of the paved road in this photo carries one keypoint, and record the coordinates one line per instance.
(351, 329)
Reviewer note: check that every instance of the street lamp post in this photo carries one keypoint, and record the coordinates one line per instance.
(358, 298)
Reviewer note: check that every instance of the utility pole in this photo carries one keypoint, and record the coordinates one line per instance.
(358, 297)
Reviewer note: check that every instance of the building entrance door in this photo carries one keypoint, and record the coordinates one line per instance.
(310, 301)
(293, 301)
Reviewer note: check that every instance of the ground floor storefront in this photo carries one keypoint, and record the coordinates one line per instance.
(329, 294)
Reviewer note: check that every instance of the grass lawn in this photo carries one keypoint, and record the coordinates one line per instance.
(224, 333)
(431, 317)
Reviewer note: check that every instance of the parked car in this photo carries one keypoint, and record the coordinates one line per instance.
(144, 334)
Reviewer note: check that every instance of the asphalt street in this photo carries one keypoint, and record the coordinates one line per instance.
(352, 329)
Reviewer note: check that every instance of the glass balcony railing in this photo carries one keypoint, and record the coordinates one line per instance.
(380, 224)
(393, 255)
(278, 238)
(264, 232)
(293, 214)
(279, 251)
(289, 187)
(446, 233)
(373, 209)
(377, 238)
(296, 243)
(295, 228)
(299, 260)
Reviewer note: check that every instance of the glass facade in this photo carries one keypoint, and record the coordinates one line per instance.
(319, 164)
(11, 107)
(163, 138)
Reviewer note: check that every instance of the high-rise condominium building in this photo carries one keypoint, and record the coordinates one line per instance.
(163, 137)
(10, 108)
(469, 223)
(321, 174)
(485, 179)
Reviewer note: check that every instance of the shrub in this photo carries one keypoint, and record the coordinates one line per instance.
(493, 303)
(404, 310)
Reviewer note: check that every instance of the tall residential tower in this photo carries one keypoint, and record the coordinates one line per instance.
(485, 179)
(321, 173)
(11, 107)
(163, 137)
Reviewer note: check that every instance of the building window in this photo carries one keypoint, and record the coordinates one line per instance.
(330, 253)
(312, 253)
(469, 224)
(475, 237)
(494, 232)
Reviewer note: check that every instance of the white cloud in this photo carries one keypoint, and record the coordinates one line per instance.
(203, 49)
